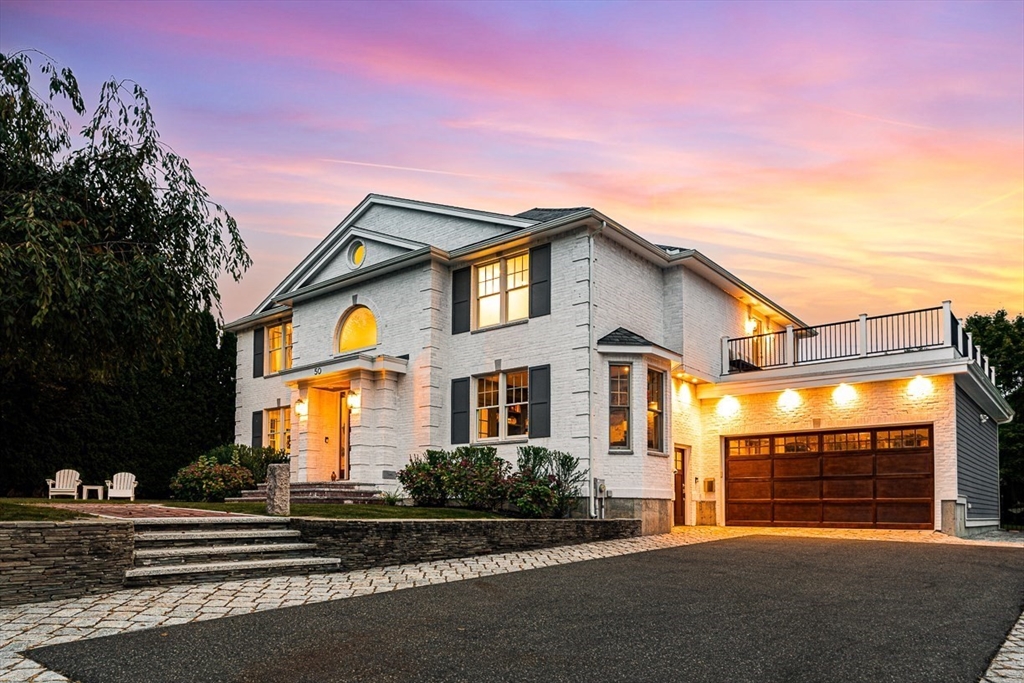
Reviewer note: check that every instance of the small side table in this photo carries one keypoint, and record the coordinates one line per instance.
(97, 489)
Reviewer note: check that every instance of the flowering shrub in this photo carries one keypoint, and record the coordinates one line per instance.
(478, 478)
(546, 484)
(424, 478)
(206, 480)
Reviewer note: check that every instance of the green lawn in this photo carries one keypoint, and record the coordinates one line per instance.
(38, 509)
(14, 512)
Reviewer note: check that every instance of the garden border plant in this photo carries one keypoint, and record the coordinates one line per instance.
(224, 472)
(546, 483)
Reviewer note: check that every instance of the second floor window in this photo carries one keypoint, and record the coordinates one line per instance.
(279, 345)
(503, 291)
(502, 405)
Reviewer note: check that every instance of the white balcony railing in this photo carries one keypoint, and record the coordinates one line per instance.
(880, 335)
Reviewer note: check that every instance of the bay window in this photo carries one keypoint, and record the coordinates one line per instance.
(655, 411)
(618, 407)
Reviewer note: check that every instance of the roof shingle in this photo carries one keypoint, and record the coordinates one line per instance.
(623, 337)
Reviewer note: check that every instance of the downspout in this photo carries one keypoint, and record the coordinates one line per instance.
(590, 372)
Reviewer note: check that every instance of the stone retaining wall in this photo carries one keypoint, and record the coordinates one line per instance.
(52, 560)
(377, 543)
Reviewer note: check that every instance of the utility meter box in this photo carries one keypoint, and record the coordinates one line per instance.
(600, 490)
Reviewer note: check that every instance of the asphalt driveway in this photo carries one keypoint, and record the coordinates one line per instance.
(749, 609)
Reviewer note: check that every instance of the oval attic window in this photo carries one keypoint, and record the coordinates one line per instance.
(357, 254)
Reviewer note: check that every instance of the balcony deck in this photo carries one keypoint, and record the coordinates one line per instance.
(877, 336)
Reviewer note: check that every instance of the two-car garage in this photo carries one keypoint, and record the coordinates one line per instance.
(864, 478)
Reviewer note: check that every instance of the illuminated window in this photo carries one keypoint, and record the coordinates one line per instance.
(618, 411)
(359, 331)
(655, 410)
(796, 444)
(503, 291)
(847, 441)
(745, 447)
(279, 428)
(497, 418)
(903, 438)
(279, 345)
(357, 254)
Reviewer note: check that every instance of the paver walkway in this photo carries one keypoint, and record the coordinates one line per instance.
(27, 626)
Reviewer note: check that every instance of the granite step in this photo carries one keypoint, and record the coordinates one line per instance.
(188, 538)
(225, 571)
(151, 557)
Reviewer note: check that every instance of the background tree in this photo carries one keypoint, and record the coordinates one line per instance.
(110, 355)
(1002, 340)
(109, 247)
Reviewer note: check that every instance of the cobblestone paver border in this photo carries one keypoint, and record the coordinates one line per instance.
(61, 621)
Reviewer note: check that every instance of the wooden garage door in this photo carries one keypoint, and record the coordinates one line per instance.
(868, 478)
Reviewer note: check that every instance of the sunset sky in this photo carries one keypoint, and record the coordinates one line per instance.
(841, 158)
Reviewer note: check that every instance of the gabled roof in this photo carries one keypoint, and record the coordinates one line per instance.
(542, 215)
(328, 246)
(623, 337)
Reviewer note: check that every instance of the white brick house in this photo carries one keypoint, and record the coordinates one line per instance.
(690, 395)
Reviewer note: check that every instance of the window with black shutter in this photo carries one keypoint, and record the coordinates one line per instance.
(257, 429)
(540, 401)
(540, 281)
(257, 352)
(462, 293)
(460, 410)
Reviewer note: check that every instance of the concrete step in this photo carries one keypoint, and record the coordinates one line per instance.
(191, 524)
(225, 571)
(151, 557)
(189, 538)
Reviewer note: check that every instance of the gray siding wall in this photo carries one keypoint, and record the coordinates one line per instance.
(977, 459)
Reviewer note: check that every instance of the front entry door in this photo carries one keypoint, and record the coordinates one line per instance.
(344, 437)
(679, 511)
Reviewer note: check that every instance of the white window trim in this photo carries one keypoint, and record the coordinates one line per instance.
(502, 437)
(266, 427)
(503, 290)
(269, 353)
(663, 411)
(630, 430)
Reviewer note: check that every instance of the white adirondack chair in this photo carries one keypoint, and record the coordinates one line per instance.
(66, 484)
(122, 486)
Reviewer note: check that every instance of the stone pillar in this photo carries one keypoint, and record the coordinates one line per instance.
(279, 489)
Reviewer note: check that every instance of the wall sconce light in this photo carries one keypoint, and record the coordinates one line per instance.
(983, 417)
(750, 325)
(920, 387)
(789, 400)
(844, 395)
(728, 407)
(301, 408)
(353, 399)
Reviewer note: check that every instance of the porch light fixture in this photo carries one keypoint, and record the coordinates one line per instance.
(750, 325)
(983, 417)
(920, 387)
(301, 408)
(844, 395)
(353, 399)
(728, 406)
(789, 400)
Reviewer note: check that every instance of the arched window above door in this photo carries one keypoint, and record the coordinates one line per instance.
(358, 330)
